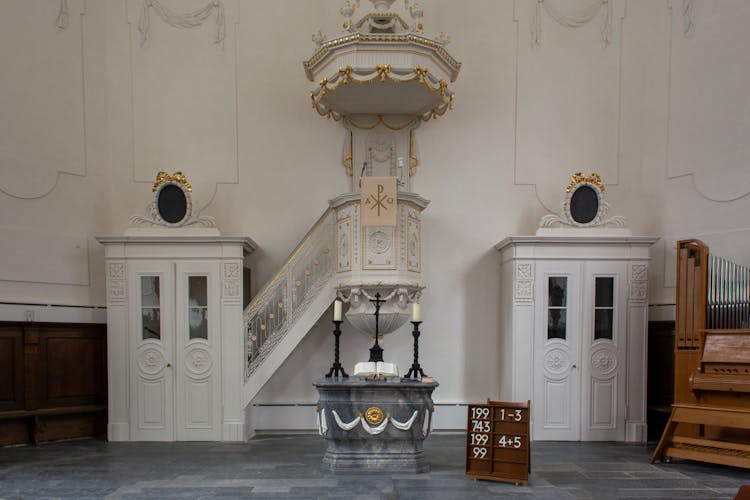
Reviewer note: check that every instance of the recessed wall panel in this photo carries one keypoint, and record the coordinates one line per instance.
(184, 96)
(42, 132)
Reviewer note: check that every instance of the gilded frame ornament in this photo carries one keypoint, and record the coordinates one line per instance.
(154, 217)
(566, 218)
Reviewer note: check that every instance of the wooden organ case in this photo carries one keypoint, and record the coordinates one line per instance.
(710, 418)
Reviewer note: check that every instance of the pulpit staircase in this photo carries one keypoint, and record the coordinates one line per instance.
(289, 305)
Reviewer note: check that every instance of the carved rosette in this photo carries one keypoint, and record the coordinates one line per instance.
(151, 361)
(198, 361)
(117, 282)
(556, 363)
(379, 248)
(374, 415)
(603, 362)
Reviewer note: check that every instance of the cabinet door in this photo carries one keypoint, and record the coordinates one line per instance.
(603, 346)
(151, 334)
(198, 349)
(557, 382)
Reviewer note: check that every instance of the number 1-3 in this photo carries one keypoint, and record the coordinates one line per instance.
(513, 414)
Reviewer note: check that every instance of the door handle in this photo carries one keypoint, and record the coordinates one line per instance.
(573, 366)
(169, 365)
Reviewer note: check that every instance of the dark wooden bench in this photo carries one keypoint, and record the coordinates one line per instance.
(33, 416)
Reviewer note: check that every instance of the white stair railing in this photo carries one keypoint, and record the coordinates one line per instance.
(274, 311)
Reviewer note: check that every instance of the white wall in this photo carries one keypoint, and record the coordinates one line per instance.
(89, 117)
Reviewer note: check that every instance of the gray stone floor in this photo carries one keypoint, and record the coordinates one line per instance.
(290, 467)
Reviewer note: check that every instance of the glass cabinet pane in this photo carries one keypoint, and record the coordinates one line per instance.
(556, 322)
(557, 310)
(604, 294)
(603, 324)
(150, 308)
(604, 308)
(198, 307)
(558, 291)
(198, 291)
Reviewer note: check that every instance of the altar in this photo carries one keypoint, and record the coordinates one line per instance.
(375, 425)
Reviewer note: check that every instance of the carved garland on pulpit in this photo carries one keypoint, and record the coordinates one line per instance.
(382, 73)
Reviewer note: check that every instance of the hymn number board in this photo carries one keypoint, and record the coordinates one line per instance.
(497, 442)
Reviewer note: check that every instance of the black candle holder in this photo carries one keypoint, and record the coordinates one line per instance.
(336, 368)
(415, 368)
(376, 352)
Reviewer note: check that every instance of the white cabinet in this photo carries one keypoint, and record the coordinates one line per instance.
(574, 318)
(175, 336)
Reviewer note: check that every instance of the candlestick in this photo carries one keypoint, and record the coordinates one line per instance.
(416, 370)
(376, 352)
(336, 310)
(336, 368)
(416, 312)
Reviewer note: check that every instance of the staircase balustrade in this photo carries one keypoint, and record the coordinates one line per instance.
(273, 312)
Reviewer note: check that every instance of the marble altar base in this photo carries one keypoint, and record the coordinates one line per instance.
(375, 425)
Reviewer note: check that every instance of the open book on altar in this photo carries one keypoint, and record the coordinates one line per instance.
(375, 369)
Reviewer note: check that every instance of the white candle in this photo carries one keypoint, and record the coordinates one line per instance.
(337, 310)
(416, 313)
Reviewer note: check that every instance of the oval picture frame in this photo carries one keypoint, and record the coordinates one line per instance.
(172, 204)
(585, 203)
(584, 206)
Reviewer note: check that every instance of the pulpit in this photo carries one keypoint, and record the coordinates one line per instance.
(381, 78)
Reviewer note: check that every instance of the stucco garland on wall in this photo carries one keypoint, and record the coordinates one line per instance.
(62, 15)
(187, 20)
(574, 19)
(688, 27)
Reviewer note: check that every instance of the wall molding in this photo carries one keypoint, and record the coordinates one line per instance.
(52, 313)
(688, 32)
(61, 24)
(615, 16)
(234, 178)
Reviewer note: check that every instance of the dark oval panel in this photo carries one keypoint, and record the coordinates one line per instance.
(171, 203)
(584, 204)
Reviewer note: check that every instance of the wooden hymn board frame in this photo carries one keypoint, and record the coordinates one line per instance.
(498, 444)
